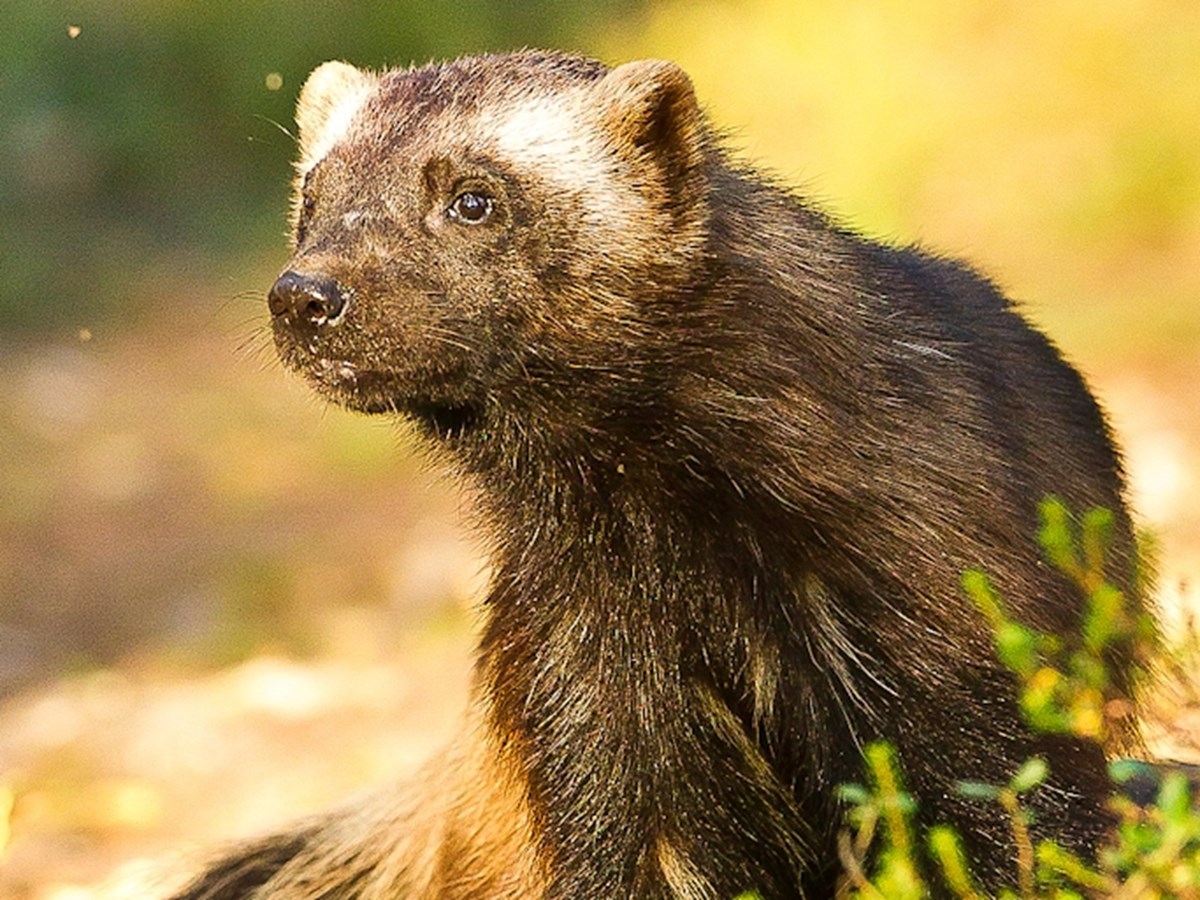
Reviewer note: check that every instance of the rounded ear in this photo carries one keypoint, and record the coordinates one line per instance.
(649, 109)
(330, 97)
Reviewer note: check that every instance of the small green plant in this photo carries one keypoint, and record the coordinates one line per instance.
(896, 873)
(882, 805)
(1065, 688)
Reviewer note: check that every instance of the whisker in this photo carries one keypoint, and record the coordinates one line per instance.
(278, 125)
(258, 346)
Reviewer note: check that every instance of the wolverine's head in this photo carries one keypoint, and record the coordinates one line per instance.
(470, 229)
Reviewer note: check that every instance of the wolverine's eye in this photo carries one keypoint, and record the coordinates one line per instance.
(471, 208)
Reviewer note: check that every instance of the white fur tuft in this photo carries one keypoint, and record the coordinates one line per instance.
(331, 96)
(556, 137)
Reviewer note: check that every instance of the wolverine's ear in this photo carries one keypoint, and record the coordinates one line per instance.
(649, 109)
(330, 97)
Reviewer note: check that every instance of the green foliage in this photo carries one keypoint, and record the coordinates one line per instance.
(898, 860)
(1154, 854)
(1065, 685)
(1065, 689)
(1157, 851)
(882, 806)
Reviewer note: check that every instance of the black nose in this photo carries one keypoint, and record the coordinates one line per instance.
(306, 299)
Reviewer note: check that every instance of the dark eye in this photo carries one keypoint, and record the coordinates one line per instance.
(471, 208)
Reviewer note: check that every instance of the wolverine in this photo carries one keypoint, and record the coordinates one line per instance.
(732, 460)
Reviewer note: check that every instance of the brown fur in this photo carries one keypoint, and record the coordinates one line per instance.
(460, 829)
(733, 460)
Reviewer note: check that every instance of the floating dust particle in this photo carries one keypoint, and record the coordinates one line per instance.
(85, 334)
(73, 31)
(274, 81)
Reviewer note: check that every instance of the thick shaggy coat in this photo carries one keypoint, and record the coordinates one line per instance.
(733, 461)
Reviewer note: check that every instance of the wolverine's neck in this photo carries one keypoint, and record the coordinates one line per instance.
(631, 657)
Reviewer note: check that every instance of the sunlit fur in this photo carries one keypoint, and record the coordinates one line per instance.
(732, 460)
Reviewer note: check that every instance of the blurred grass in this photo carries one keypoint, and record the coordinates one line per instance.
(183, 527)
(1054, 143)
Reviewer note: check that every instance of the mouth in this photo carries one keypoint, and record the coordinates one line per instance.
(442, 395)
(348, 384)
(384, 392)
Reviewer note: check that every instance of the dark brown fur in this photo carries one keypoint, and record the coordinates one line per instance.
(733, 462)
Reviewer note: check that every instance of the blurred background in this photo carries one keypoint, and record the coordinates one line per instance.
(223, 604)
